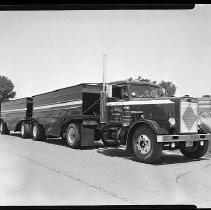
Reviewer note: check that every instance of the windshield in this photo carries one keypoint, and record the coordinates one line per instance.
(145, 91)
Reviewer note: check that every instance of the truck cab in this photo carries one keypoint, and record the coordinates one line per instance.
(139, 116)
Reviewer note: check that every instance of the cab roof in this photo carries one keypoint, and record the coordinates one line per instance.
(135, 82)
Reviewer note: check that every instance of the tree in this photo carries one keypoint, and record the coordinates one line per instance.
(169, 87)
(142, 79)
(6, 89)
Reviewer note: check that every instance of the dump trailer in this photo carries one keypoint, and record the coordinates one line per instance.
(16, 116)
(72, 113)
(126, 112)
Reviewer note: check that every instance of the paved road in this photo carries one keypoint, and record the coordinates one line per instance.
(49, 173)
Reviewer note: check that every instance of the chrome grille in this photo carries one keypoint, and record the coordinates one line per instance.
(188, 117)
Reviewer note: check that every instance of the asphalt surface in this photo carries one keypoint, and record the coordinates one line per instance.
(50, 173)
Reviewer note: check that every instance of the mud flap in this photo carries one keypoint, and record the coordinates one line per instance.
(87, 137)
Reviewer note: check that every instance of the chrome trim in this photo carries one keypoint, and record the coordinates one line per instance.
(177, 138)
(140, 102)
(58, 105)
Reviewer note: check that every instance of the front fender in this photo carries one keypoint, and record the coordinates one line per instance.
(204, 128)
(150, 123)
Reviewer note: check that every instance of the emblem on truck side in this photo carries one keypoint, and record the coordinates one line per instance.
(116, 109)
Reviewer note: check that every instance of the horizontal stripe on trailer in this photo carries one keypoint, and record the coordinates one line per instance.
(14, 110)
(59, 108)
(58, 105)
(140, 102)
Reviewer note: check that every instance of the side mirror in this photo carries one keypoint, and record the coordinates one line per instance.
(109, 91)
(163, 92)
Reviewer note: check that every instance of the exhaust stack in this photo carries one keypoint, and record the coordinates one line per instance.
(103, 94)
(104, 72)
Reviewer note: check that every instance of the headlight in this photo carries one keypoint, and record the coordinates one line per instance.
(172, 121)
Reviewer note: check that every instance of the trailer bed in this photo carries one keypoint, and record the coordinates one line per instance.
(53, 109)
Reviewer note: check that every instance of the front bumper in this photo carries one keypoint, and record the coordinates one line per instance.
(177, 138)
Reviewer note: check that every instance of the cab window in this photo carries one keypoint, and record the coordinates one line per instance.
(119, 92)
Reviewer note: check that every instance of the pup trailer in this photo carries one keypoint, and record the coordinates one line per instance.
(127, 112)
(16, 116)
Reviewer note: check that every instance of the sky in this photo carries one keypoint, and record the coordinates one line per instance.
(41, 51)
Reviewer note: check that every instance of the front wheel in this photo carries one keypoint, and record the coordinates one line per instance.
(196, 151)
(145, 146)
(4, 129)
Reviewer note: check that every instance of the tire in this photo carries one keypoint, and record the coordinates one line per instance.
(25, 130)
(196, 151)
(38, 132)
(146, 149)
(107, 141)
(73, 137)
(3, 129)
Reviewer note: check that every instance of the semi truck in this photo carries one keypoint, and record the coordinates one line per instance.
(126, 112)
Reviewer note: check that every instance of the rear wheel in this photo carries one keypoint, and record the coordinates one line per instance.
(25, 130)
(73, 137)
(196, 151)
(145, 146)
(38, 132)
(4, 129)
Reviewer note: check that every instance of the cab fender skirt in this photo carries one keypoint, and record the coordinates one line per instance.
(150, 123)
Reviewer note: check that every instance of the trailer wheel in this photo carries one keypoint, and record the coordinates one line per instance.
(38, 132)
(25, 130)
(145, 146)
(73, 138)
(196, 151)
(4, 129)
(107, 141)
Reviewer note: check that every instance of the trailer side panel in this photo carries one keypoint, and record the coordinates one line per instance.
(15, 111)
(54, 110)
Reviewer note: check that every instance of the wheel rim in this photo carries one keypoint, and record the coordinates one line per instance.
(143, 144)
(34, 131)
(71, 135)
(22, 129)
